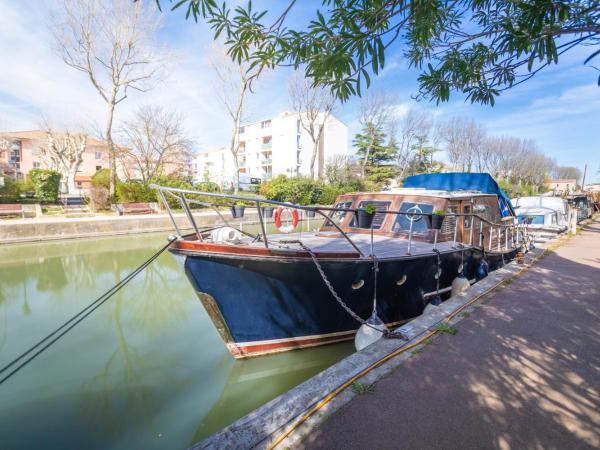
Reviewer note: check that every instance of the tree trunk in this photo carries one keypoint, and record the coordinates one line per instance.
(366, 160)
(313, 158)
(236, 167)
(111, 150)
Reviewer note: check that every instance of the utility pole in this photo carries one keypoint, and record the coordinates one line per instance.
(584, 173)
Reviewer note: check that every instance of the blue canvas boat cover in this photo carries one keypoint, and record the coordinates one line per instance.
(462, 181)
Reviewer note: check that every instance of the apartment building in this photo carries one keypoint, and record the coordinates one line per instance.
(22, 152)
(564, 186)
(273, 147)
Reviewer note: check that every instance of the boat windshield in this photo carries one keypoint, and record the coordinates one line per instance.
(420, 224)
(379, 217)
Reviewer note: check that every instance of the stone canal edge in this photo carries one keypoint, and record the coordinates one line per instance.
(287, 419)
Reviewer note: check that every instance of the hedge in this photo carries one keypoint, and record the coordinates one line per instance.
(304, 191)
(45, 184)
(10, 192)
(134, 192)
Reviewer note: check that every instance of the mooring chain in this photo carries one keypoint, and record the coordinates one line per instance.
(386, 333)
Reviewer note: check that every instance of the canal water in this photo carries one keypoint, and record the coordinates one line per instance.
(146, 370)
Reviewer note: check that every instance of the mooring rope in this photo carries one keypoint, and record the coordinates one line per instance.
(74, 320)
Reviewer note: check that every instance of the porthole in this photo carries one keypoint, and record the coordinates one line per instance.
(358, 284)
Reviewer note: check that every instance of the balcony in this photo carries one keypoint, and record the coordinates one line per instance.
(266, 161)
(267, 144)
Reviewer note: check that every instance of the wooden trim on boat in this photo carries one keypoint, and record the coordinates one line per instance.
(259, 348)
(208, 247)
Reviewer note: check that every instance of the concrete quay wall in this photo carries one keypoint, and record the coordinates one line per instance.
(32, 230)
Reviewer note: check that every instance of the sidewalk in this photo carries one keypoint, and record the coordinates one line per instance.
(523, 371)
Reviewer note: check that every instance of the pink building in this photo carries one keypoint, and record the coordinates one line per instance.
(22, 152)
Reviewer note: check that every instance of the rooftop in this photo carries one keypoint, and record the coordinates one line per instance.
(40, 135)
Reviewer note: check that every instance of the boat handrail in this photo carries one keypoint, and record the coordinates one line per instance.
(172, 191)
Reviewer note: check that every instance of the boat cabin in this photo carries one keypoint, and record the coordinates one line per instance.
(417, 205)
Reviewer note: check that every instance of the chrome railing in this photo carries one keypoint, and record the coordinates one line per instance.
(497, 236)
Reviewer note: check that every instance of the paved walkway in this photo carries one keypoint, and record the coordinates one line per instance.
(523, 372)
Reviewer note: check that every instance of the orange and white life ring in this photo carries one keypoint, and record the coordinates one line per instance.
(291, 219)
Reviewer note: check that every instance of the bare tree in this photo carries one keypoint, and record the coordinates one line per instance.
(110, 41)
(314, 105)
(464, 140)
(155, 142)
(340, 169)
(415, 131)
(4, 148)
(234, 83)
(63, 152)
(376, 113)
(567, 172)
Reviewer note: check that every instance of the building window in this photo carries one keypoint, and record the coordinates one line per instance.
(98, 168)
(98, 155)
(298, 125)
(267, 142)
(79, 185)
(242, 129)
(298, 142)
(265, 124)
(36, 165)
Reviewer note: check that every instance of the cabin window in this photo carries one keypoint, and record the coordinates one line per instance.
(467, 219)
(420, 224)
(491, 213)
(379, 216)
(338, 216)
(450, 220)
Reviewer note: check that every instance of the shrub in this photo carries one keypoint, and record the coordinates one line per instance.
(134, 192)
(101, 179)
(300, 190)
(207, 186)
(45, 184)
(170, 181)
(99, 198)
(10, 192)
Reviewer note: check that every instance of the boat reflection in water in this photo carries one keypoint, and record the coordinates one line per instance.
(146, 370)
(269, 293)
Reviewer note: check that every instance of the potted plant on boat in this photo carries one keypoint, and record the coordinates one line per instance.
(437, 219)
(267, 211)
(237, 210)
(364, 216)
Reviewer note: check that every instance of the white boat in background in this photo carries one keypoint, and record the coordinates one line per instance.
(544, 216)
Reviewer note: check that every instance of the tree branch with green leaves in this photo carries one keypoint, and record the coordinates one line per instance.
(476, 47)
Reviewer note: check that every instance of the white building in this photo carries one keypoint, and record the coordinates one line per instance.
(273, 147)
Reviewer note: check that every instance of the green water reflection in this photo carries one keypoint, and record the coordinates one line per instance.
(146, 370)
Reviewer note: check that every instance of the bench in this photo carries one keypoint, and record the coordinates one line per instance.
(75, 205)
(135, 208)
(12, 209)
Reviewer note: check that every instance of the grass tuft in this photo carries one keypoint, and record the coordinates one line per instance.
(443, 327)
(362, 388)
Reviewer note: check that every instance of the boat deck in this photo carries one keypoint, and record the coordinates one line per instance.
(383, 246)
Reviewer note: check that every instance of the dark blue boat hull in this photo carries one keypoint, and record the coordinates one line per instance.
(263, 305)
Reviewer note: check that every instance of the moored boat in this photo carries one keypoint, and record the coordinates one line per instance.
(271, 293)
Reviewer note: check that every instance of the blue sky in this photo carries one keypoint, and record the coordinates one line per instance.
(559, 108)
